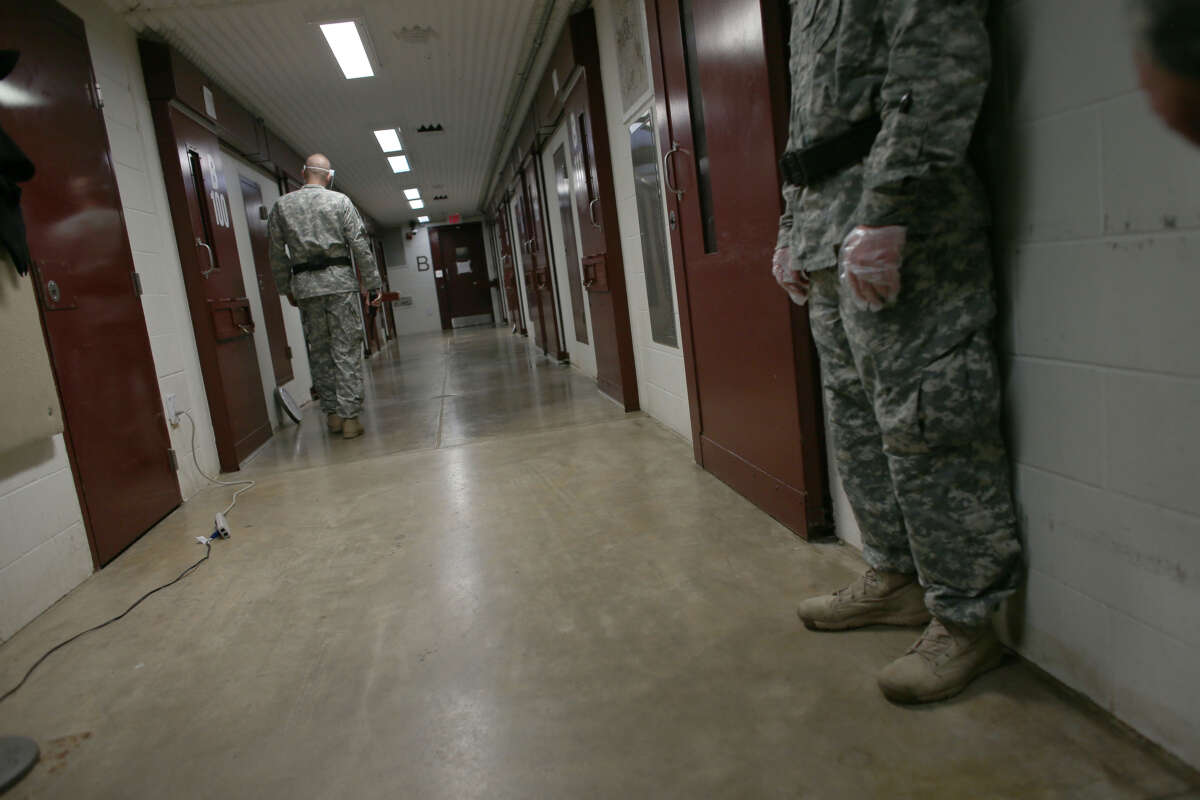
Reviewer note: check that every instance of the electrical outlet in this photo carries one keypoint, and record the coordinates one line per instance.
(172, 413)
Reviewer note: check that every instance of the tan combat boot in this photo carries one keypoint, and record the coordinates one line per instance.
(944, 660)
(351, 428)
(334, 422)
(877, 598)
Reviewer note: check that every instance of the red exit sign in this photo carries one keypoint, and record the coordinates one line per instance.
(454, 219)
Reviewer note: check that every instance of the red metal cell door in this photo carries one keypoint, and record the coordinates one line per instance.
(260, 244)
(96, 332)
(508, 272)
(212, 273)
(539, 261)
(752, 378)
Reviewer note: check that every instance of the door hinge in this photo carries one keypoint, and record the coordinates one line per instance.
(173, 459)
(287, 349)
(99, 95)
(137, 284)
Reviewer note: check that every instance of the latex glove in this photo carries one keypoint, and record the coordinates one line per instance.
(794, 283)
(870, 260)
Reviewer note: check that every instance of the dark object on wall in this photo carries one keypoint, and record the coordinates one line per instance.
(422, 264)
(15, 167)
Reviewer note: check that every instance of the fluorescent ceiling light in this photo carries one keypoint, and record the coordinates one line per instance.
(348, 49)
(422, 219)
(389, 140)
(412, 194)
(415, 204)
(399, 163)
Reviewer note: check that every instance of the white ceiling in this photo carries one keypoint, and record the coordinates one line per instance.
(271, 55)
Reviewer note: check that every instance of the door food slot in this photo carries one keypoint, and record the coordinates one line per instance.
(595, 276)
(231, 319)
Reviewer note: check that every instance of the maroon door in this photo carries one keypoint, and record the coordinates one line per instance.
(212, 274)
(533, 301)
(463, 260)
(595, 203)
(508, 272)
(95, 329)
(752, 380)
(543, 282)
(260, 244)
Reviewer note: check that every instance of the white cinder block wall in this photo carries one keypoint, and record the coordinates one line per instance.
(662, 380)
(1098, 230)
(401, 254)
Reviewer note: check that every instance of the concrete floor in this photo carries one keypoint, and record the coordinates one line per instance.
(510, 589)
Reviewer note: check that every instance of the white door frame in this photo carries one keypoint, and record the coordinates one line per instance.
(582, 355)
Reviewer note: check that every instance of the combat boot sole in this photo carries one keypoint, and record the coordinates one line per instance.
(904, 607)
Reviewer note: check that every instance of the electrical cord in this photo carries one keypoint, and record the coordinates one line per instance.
(60, 645)
(247, 485)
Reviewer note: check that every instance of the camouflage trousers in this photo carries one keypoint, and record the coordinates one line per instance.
(912, 394)
(333, 331)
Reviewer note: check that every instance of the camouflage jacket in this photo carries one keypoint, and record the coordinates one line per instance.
(923, 66)
(313, 223)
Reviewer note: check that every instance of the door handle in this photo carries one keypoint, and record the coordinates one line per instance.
(212, 262)
(675, 148)
(592, 212)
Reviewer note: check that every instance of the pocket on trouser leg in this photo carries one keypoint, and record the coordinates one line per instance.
(959, 394)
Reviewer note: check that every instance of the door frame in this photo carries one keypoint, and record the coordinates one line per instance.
(816, 512)
(561, 263)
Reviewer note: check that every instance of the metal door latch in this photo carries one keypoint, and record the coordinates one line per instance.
(53, 292)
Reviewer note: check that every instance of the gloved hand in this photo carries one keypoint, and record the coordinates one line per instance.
(870, 260)
(794, 283)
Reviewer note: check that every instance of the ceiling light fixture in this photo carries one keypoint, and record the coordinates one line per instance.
(422, 219)
(348, 49)
(416, 204)
(399, 163)
(412, 194)
(389, 140)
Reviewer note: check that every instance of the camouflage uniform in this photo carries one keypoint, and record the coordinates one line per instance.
(911, 391)
(307, 226)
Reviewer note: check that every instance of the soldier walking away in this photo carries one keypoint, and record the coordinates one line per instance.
(885, 236)
(314, 232)
(1168, 60)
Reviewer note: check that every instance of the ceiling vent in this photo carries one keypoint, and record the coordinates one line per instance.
(440, 197)
(431, 128)
(415, 34)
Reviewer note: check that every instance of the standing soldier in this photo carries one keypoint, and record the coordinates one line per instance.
(313, 233)
(885, 232)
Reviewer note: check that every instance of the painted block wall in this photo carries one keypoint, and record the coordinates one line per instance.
(401, 254)
(1098, 236)
(662, 381)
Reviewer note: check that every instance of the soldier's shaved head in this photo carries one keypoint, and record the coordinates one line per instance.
(317, 169)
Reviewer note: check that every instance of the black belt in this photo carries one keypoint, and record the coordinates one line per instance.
(830, 156)
(311, 266)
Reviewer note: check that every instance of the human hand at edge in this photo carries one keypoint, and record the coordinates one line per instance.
(870, 261)
(794, 282)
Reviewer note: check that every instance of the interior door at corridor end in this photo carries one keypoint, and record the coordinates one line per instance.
(95, 329)
(212, 273)
(753, 384)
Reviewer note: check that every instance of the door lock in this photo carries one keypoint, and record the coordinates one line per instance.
(674, 219)
(53, 292)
